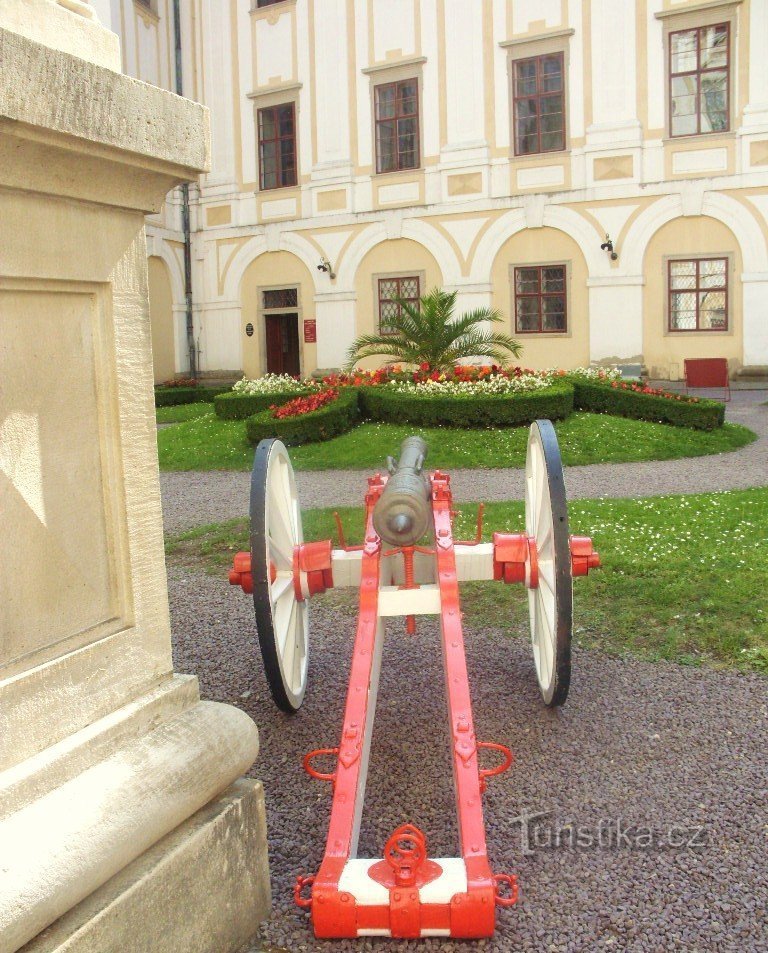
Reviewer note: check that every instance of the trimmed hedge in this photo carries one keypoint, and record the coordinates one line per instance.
(330, 421)
(497, 410)
(171, 396)
(604, 399)
(232, 406)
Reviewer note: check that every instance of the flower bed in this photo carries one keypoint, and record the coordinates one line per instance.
(249, 397)
(332, 416)
(452, 405)
(626, 399)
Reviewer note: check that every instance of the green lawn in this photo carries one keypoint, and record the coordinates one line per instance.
(683, 577)
(207, 443)
(180, 413)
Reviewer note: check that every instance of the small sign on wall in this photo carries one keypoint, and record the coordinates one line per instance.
(249, 329)
(310, 331)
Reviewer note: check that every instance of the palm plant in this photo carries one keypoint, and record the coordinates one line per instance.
(430, 336)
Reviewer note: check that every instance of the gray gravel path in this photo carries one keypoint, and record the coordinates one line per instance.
(655, 745)
(194, 498)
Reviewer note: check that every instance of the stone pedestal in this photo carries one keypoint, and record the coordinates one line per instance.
(124, 822)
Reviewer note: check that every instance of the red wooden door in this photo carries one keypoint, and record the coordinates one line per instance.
(283, 344)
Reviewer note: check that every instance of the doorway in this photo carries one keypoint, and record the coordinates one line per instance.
(283, 344)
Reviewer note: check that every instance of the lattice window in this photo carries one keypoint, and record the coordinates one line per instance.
(698, 294)
(406, 288)
(540, 299)
(281, 298)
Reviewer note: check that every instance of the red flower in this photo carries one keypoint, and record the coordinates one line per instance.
(304, 405)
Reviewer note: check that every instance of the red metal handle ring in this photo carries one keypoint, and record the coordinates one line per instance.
(405, 852)
(511, 881)
(500, 768)
(312, 772)
(303, 881)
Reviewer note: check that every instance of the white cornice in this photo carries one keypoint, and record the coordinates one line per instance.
(696, 8)
(538, 37)
(274, 88)
(393, 64)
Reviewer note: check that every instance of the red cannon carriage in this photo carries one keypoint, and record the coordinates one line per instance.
(409, 565)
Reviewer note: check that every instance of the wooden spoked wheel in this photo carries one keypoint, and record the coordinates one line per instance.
(550, 604)
(282, 621)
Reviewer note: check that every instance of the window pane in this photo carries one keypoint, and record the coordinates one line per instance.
(712, 273)
(553, 279)
(526, 280)
(281, 298)
(551, 141)
(682, 274)
(551, 105)
(527, 108)
(714, 101)
(525, 78)
(683, 51)
(683, 321)
(285, 120)
(684, 301)
(684, 126)
(389, 309)
(553, 317)
(551, 74)
(407, 97)
(528, 314)
(712, 310)
(267, 128)
(385, 102)
(527, 145)
(714, 46)
(385, 146)
(409, 288)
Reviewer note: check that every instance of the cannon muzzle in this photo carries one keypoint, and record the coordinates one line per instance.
(402, 514)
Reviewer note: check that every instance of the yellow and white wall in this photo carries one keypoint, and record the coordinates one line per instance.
(472, 210)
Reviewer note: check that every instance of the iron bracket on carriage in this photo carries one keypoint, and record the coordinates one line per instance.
(409, 565)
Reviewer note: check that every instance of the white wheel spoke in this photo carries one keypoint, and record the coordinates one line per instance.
(282, 557)
(282, 586)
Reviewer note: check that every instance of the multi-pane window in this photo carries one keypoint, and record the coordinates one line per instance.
(396, 107)
(540, 299)
(698, 294)
(539, 104)
(699, 64)
(391, 292)
(281, 298)
(277, 146)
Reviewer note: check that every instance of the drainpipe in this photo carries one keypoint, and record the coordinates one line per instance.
(190, 324)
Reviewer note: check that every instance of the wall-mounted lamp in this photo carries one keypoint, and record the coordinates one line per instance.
(608, 246)
(325, 265)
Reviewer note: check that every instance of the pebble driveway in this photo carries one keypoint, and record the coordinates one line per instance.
(661, 768)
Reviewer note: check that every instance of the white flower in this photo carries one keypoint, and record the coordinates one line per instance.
(488, 386)
(272, 384)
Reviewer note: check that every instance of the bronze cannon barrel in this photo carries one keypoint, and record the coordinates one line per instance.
(402, 514)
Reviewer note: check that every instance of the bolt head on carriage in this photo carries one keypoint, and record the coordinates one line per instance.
(409, 566)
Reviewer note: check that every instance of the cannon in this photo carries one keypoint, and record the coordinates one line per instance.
(408, 566)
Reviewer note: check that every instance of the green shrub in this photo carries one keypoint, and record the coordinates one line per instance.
(598, 398)
(329, 421)
(231, 406)
(171, 396)
(487, 410)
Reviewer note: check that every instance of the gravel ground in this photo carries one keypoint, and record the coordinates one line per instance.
(191, 498)
(654, 745)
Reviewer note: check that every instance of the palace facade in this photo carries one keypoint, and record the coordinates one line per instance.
(597, 171)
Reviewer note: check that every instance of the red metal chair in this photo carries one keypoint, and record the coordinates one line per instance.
(707, 372)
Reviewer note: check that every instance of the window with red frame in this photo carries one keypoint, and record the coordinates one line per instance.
(539, 104)
(277, 146)
(396, 107)
(699, 79)
(698, 294)
(540, 299)
(405, 289)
